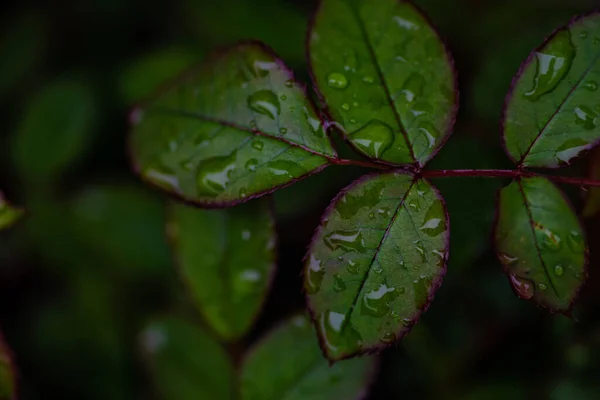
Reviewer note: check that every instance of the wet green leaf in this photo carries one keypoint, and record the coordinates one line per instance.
(142, 76)
(376, 262)
(592, 198)
(267, 372)
(237, 128)
(386, 77)
(186, 363)
(8, 214)
(551, 110)
(541, 243)
(7, 375)
(54, 131)
(227, 259)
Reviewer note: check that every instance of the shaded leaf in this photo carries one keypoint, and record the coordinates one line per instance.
(375, 262)
(8, 214)
(227, 259)
(186, 362)
(592, 198)
(550, 115)
(540, 242)
(234, 129)
(386, 77)
(7, 374)
(267, 372)
(54, 131)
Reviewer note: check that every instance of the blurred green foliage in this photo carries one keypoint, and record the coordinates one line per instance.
(89, 265)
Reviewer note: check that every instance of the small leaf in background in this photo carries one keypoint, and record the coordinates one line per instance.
(7, 374)
(186, 362)
(8, 214)
(237, 128)
(144, 74)
(54, 131)
(592, 197)
(227, 259)
(375, 262)
(386, 77)
(287, 365)
(540, 243)
(551, 110)
(124, 223)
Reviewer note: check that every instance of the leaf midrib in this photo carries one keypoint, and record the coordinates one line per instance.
(379, 71)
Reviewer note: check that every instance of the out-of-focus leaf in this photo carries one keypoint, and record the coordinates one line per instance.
(541, 243)
(227, 259)
(592, 199)
(550, 114)
(498, 391)
(386, 77)
(54, 131)
(187, 364)
(375, 262)
(142, 76)
(267, 372)
(8, 214)
(274, 22)
(21, 47)
(237, 128)
(123, 223)
(7, 375)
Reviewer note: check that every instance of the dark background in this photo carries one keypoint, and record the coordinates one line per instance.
(89, 265)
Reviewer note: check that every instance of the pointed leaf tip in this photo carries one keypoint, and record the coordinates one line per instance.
(386, 77)
(550, 113)
(375, 262)
(236, 128)
(540, 243)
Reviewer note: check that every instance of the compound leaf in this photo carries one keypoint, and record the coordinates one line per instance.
(375, 262)
(186, 362)
(386, 77)
(233, 129)
(226, 257)
(541, 243)
(268, 374)
(550, 115)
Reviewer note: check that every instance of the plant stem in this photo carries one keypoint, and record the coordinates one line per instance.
(476, 173)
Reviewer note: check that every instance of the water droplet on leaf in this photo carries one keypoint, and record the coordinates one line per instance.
(559, 270)
(388, 338)
(369, 80)
(351, 267)
(413, 87)
(265, 102)
(349, 240)
(374, 138)
(592, 86)
(376, 302)
(257, 144)
(584, 116)
(314, 275)
(345, 107)
(338, 283)
(523, 287)
(434, 221)
(214, 174)
(337, 81)
(542, 286)
(570, 149)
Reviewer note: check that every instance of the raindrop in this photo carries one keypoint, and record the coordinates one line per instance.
(414, 205)
(243, 192)
(265, 102)
(314, 275)
(289, 83)
(553, 63)
(283, 97)
(575, 242)
(338, 283)
(257, 144)
(251, 164)
(313, 122)
(351, 267)
(407, 322)
(376, 302)
(350, 60)
(349, 240)
(346, 107)
(371, 215)
(338, 336)
(570, 149)
(434, 222)
(337, 81)
(377, 269)
(549, 241)
(559, 270)
(429, 133)
(523, 287)
(369, 80)
(585, 117)
(542, 286)
(421, 250)
(283, 131)
(388, 338)
(214, 174)
(592, 86)
(352, 120)
(355, 104)
(163, 177)
(413, 87)
(374, 138)
(283, 170)
(583, 34)
(507, 260)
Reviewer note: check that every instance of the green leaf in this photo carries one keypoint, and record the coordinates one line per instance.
(8, 214)
(375, 262)
(267, 372)
(386, 77)
(236, 128)
(54, 131)
(186, 362)
(592, 198)
(227, 259)
(550, 116)
(541, 243)
(7, 374)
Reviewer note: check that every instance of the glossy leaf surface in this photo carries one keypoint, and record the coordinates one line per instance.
(7, 375)
(54, 131)
(386, 77)
(8, 214)
(267, 372)
(186, 362)
(233, 129)
(375, 262)
(551, 110)
(541, 243)
(226, 257)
